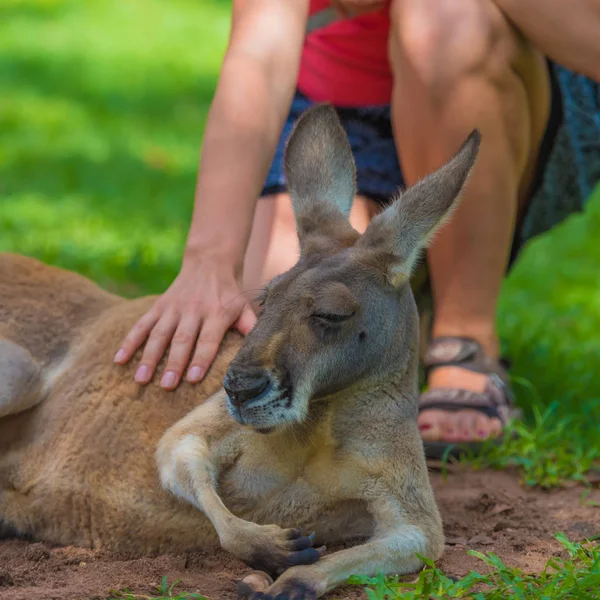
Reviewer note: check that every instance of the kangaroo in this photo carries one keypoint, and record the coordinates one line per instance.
(309, 424)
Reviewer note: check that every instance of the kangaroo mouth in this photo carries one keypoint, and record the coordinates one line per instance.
(268, 409)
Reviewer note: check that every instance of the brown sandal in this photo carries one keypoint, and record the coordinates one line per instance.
(497, 400)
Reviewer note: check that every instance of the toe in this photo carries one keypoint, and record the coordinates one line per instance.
(486, 428)
(457, 427)
(451, 427)
(293, 534)
(302, 543)
(304, 557)
(495, 427)
(429, 424)
(466, 425)
(294, 590)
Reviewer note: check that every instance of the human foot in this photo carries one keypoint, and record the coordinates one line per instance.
(468, 397)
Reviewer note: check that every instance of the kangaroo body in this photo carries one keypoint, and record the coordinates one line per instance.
(330, 444)
(79, 467)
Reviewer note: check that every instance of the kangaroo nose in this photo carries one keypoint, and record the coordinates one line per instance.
(244, 391)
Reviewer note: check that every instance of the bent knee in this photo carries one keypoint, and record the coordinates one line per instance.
(444, 40)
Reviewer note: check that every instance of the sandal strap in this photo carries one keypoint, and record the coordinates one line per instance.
(456, 351)
(452, 350)
(493, 401)
(496, 400)
(486, 409)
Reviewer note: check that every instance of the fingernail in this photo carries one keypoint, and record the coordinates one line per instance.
(194, 374)
(311, 537)
(481, 434)
(119, 356)
(424, 427)
(169, 380)
(142, 374)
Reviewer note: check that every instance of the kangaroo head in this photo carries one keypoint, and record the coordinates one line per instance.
(344, 315)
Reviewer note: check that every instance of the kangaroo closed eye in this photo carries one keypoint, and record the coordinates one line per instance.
(333, 317)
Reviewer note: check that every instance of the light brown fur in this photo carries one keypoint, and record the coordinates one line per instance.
(88, 457)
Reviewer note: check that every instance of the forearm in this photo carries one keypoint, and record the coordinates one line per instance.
(567, 32)
(188, 460)
(251, 104)
(243, 128)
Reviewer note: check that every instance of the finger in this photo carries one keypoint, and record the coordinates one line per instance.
(246, 321)
(211, 336)
(293, 534)
(182, 345)
(301, 543)
(304, 557)
(155, 347)
(136, 336)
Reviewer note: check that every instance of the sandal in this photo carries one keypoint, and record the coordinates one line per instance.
(497, 400)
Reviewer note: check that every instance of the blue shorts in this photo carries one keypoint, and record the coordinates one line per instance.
(369, 132)
(567, 170)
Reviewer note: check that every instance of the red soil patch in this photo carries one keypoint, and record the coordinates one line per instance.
(487, 511)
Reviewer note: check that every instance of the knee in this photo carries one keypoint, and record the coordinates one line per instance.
(444, 41)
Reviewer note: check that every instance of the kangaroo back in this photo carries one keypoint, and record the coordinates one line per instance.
(43, 307)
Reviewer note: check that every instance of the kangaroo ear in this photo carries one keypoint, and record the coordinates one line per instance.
(395, 237)
(320, 173)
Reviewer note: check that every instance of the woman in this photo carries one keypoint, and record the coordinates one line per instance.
(411, 78)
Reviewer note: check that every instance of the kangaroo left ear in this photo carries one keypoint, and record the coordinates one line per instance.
(399, 233)
(320, 173)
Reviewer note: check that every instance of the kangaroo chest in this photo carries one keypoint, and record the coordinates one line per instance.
(307, 487)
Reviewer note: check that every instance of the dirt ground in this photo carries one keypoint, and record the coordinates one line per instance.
(488, 511)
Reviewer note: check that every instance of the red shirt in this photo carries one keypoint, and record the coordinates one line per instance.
(346, 63)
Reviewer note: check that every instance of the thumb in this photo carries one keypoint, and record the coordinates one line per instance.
(246, 321)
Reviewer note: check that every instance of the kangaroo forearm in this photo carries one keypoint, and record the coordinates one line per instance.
(394, 554)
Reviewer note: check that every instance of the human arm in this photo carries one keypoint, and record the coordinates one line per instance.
(252, 99)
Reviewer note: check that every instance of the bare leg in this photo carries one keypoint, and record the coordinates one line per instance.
(457, 66)
(274, 247)
(565, 31)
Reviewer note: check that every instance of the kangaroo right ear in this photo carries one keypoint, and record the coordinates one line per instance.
(320, 173)
(395, 237)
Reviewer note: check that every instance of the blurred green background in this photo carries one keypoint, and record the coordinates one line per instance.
(102, 111)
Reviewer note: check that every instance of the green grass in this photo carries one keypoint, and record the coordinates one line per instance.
(166, 592)
(102, 111)
(574, 577)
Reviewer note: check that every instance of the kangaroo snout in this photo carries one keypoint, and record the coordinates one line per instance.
(258, 397)
(244, 386)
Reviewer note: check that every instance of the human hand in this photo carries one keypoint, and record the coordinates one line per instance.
(352, 8)
(193, 315)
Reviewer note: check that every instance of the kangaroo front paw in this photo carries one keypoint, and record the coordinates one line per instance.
(273, 549)
(292, 589)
